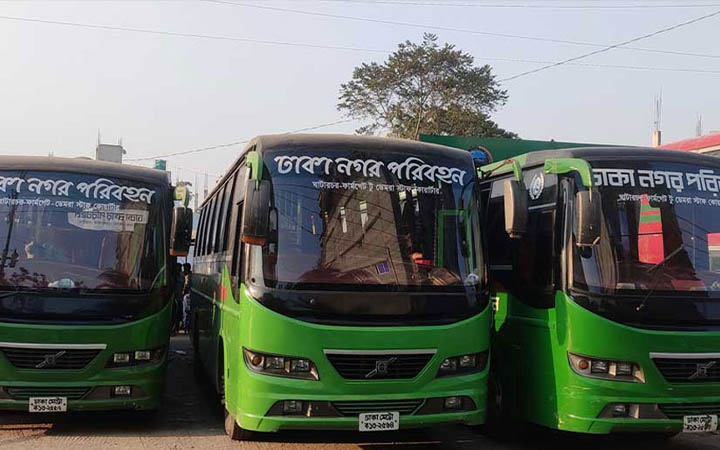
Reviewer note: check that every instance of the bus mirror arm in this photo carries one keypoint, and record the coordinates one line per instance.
(516, 208)
(256, 212)
(181, 231)
(588, 217)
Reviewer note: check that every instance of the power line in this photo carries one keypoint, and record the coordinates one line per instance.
(525, 5)
(615, 66)
(453, 29)
(232, 144)
(295, 44)
(188, 35)
(610, 47)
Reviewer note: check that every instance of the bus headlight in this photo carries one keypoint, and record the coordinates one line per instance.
(136, 358)
(463, 364)
(281, 366)
(606, 369)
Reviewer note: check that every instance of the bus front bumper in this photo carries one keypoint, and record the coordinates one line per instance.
(636, 412)
(97, 394)
(264, 397)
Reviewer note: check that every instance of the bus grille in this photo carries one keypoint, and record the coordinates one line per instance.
(354, 408)
(49, 359)
(365, 366)
(24, 393)
(689, 370)
(679, 410)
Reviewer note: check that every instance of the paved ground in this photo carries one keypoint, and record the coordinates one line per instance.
(191, 419)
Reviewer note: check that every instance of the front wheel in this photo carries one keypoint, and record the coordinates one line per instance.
(234, 431)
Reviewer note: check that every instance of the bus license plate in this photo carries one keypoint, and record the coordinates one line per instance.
(700, 424)
(47, 404)
(380, 421)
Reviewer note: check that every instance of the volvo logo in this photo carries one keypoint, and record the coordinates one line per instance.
(50, 360)
(381, 367)
(701, 370)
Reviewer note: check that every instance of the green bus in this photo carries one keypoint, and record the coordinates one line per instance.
(605, 265)
(86, 282)
(339, 283)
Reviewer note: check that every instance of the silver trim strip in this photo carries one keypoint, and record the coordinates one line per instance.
(381, 352)
(683, 355)
(54, 346)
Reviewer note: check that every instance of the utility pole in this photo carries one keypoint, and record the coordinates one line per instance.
(657, 118)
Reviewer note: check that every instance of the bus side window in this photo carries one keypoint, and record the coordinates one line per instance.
(228, 212)
(534, 261)
(196, 250)
(220, 245)
(211, 224)
(499, 243)
(200, 237)
(236, 227)
(219, 199)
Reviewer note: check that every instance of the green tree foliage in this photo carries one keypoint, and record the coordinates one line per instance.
(424, 89)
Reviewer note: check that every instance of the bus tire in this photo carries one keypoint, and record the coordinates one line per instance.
(498, 419)
(234, 431)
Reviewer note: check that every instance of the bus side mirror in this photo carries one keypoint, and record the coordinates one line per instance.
(181, 231)
(256, 213)
(587, 218)
(516, 209)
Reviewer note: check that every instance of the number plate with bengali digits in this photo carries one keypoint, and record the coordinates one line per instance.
(379, 421)
(47, 404)
(700, 424)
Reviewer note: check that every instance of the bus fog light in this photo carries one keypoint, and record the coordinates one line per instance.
(453, 403)
(620, 410)
(122, 391)
(121, 358)
(143, 355)
(292, 407)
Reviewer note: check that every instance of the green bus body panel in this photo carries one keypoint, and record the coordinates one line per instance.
(249, 395)
(560, 166)
(531, 349)
(148, 333)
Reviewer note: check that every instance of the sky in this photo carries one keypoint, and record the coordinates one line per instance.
(165, 93)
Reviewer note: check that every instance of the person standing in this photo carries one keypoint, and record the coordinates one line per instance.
(187, 285)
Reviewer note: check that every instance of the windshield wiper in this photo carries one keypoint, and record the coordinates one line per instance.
(655, 278)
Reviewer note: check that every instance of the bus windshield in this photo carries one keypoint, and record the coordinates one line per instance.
(384, 220)
(61, 230)
(661, 230)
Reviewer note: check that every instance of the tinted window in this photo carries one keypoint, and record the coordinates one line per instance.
(236, 224)
(374, 223)
(525, 266)
(65, 230)
(225, 215)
